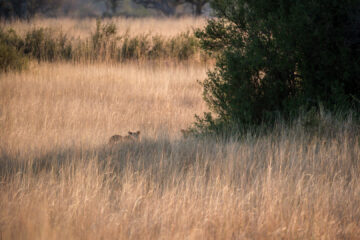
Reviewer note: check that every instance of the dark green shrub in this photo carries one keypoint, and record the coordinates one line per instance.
(104, 45)
(65, 48)
(183, 46)
(277, 57)
(102, 35)
(136, 47)
(11, 51)
(45, 44)
(39, 44)
(159, 48)
(104, 42)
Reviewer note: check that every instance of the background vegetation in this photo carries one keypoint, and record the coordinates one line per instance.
(105, 44)
(27, 9)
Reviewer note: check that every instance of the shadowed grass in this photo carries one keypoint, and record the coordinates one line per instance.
(286, 187)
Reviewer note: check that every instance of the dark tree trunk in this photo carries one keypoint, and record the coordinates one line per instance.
(198, 9)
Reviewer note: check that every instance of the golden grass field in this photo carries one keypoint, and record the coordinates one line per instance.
(83, 27)
(60, 180)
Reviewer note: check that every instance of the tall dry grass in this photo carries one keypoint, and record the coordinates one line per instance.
(69, 105)
(59, 179)
(106, 40)
(82, 28)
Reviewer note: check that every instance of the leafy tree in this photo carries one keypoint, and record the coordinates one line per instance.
(168, 7)
(111, 6)
(28, 8)
(165, 6)
(198, 5)
(277, 57)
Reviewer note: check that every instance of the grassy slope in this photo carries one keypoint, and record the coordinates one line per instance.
(59, 180)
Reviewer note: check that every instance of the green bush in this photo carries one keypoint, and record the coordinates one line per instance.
(104, 41)
(183, 46)
(276, 58)
(11, 51)
(159, 48)
(135, 47)
(44, 44)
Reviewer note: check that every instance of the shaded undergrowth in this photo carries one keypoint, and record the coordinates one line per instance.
(249, 156)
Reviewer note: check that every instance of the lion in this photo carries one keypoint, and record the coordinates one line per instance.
(185, 133)
(132, 137)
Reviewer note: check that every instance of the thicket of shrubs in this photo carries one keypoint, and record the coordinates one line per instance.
(11, 51)
(105, 44)
(278, 59)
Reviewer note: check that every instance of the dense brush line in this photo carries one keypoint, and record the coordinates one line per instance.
(104, 45)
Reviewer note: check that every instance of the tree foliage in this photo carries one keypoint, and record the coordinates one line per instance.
(28, 8)
(277, 57)
(11, 51)
(168, 7)
(111, 6)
